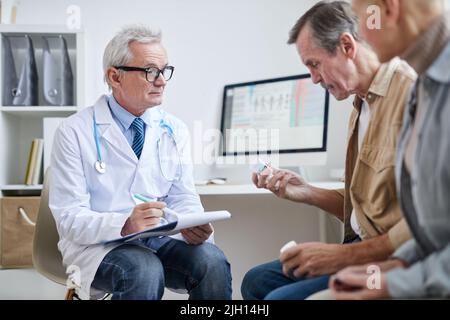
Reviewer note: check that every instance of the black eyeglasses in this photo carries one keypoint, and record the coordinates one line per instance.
(151, 73)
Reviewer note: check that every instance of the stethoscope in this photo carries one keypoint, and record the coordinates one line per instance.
(100, 165)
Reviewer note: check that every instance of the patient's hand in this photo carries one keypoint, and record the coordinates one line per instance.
(363, 282)
(284, 184)
(314, 259)
(359, 286)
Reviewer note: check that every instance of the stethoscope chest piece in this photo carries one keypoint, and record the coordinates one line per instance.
(100, 166)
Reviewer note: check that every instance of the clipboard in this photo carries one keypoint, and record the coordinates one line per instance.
(174, 223)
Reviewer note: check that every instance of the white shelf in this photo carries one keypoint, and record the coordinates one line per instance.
(39, 111)
(39, 29)
(242, 189)
(19, 125)
(17, 190)
(13, 187)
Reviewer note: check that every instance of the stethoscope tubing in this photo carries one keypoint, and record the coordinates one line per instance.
(97, 140)
(100, 165)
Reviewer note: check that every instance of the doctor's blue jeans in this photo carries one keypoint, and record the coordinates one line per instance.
(134, 272)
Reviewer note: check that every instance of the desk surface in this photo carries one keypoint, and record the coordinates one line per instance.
(236, 189)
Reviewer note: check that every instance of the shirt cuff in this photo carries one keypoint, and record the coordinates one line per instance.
(399, 234)
(408, 252)
(406, 283)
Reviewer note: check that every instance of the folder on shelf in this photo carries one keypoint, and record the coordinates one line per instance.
(38, 164)
(34, 167)
(26, 93)
(31, 159)
(174, 223)
(57, 73)
(9, 74)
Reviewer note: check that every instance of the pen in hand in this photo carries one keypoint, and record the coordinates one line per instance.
(145, 215)
(165, 210)
(145, 199)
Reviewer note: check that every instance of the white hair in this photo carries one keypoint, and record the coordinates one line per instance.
(117, 51)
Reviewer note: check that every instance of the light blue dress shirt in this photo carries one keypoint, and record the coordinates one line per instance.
(124, 119)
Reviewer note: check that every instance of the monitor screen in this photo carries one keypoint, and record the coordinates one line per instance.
(284, 115)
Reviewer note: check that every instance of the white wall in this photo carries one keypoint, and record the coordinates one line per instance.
(211, 43)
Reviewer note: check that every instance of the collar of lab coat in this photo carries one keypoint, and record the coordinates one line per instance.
(109, 130)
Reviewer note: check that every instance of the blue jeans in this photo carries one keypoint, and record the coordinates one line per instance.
(268, 282)
(134, 272)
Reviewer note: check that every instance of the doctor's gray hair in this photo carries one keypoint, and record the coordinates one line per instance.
(328, 20)
(117, 51)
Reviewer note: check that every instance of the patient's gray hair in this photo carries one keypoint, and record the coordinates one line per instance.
(328, 20)
(117, 51)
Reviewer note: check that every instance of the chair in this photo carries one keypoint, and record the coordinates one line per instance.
(47, 259)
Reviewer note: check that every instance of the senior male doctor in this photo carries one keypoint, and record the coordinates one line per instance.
(125, 145)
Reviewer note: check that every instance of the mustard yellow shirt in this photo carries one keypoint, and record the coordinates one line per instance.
(369, 172)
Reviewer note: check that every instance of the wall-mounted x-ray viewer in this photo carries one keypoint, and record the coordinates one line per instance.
(282, 120)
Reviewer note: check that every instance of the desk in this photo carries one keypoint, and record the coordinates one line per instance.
(261, 224)
(239, 189)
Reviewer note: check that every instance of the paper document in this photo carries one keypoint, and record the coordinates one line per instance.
(173, 222)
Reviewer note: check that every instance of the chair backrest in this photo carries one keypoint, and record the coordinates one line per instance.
(47, 259)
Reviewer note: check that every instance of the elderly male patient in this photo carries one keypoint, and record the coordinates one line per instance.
(329, 44)
(418, 31)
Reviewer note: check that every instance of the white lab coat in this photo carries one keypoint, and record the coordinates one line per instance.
(90, 208)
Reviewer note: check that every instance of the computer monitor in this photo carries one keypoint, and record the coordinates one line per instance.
(282, 120)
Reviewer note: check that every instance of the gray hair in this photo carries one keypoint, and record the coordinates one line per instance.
(328, 20)
(117, 51)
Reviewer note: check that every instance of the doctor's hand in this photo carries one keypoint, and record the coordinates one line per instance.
(144, 216)
(284, 184)
(197, 235)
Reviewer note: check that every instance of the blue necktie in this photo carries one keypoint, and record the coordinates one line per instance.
(138, 140)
